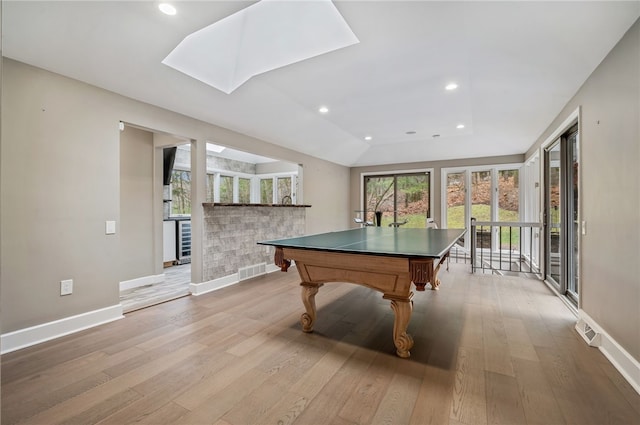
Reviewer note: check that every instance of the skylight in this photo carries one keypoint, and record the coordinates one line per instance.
(265, 36)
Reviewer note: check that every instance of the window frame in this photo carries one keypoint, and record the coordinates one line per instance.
(254, 185)
(395, 173)
(468, 171)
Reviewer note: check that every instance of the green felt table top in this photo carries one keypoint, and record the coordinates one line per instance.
(391, 241)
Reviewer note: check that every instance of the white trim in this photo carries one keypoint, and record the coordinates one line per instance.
(141, 281)
(567, 302)
(27, 337)
(400, 171)
(628, 367)
(222, 282)
(573, 117)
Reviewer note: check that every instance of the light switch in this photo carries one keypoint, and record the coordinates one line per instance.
(110, 227)
(584, 227)
(66, 287)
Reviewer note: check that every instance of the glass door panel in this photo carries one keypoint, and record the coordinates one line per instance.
(481, 195)
(481, 205)
(456, 199)
(412, 200)
(509, 208)
(402, 199)
(379, 193)
(573, 280)
(553, 214)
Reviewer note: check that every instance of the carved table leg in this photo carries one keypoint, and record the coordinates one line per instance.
(436, 281)
(309, 300)
(402, 340)
(280, 261)
(421, 271)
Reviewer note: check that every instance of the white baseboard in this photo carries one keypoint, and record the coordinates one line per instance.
(212, 285)
(272, 268)
(595, 336)
(223, 282)
(27, 337)
(141, 281)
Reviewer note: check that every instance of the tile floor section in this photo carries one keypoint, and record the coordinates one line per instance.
(175, 285)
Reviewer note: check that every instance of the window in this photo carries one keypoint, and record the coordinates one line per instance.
(181, 192)
(284, 190)
(226, 189)
(401, 198)
(266, 191)
(210, 188)
(244, 190)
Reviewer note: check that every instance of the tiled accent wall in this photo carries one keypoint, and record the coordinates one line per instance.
(215, 162)
(183, 162)
(231, 234)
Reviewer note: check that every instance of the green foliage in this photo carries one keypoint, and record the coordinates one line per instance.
(455, 220)
(181, 192)
(266, 191)
(244, 190)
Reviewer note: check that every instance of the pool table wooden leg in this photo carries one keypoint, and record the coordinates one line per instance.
(402, 340)
(309, 292)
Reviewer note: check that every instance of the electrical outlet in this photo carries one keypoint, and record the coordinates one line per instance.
(66, 287)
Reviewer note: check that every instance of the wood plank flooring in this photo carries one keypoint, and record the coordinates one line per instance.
(488, 350)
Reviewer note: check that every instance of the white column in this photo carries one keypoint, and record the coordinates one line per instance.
(198, 196)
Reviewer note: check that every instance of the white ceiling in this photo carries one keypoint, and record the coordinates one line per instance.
(516, 63)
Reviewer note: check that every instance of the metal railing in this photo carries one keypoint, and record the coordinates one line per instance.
(505, 247)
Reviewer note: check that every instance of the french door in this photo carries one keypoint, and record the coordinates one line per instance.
(488, 194)
(561, 220)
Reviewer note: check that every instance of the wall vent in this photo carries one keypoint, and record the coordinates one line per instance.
(252, 271)
(590, 335)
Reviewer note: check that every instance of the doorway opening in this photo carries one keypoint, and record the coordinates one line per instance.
(144, 234)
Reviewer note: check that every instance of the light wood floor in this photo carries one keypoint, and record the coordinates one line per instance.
(488, 350)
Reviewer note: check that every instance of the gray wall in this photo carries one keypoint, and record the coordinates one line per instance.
(355, 188)
(60, 174)
(136, 251)
(610, 190)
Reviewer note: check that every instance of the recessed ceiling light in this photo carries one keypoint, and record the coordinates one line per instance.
(459, 126)
(323, 109)
(368, 137)
(410, 132)
(451, 86)
(167, 9)
(435, 136)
